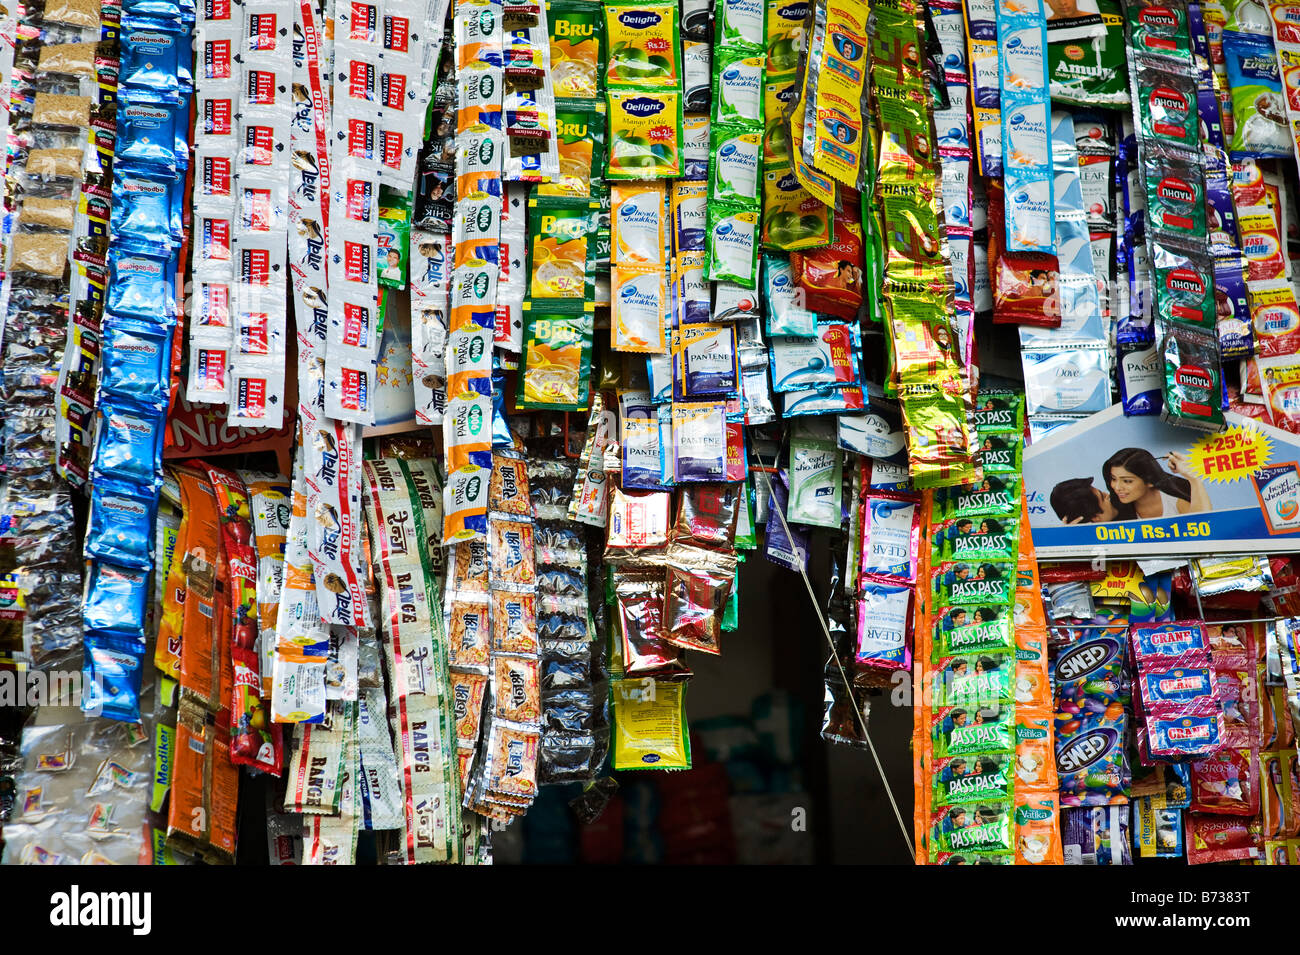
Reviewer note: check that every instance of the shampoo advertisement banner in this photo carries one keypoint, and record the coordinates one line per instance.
(1112, 486)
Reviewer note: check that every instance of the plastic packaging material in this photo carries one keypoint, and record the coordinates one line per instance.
(786, 543)
(1097, 835)
(640, 599)
(645, 134)
(707, 515)
(649, 730)
(732, 244)
(699, 441)
(815, 477)
(1220, 839)
(1091, 72)
(1192, 378)
(1259, 116)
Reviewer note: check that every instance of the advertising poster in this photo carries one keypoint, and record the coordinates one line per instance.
(1112, 486)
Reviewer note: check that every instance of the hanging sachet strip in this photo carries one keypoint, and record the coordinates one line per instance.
(503, 780)
(80, 56)
(53, 260)
(262, 164)
(301, 638)
(476, 267)
(928, 372)
(403, 504)
(254, 738)
(141, 310)
(1026, 134)
(217, 35)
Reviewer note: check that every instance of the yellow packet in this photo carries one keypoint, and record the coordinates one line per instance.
(639, 302)
(786, 36)
(818, 186)
(645, 134)
(650, 729)
(560, 248)
(575, 47)
(637, 228)
(643, 45)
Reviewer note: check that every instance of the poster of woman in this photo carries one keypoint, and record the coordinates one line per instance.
(1118, 486)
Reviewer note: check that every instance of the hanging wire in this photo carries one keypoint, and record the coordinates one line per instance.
(848, 685)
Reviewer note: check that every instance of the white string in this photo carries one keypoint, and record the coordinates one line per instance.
(848, 686)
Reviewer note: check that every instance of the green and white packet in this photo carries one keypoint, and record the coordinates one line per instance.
(741, 21)
(816, 475)
(733, 244)
(738, 85)
(735, 163)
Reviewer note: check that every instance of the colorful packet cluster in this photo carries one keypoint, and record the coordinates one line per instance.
(1232, 308)
(1093, 690)
(240, 215)
(476, 267)
(562, 240)
(68, 49)
(564, 236)
(575, 724)
(985, 86)
(270, 498)
(793, 218)
(644, 89)
(953, 132)
(141, 309)
(672, 579)
(986, 786)
(430, 249)
(834, 140)
(60, 128)
(302, 637)
(254, 739)
(890, 526)
(1066, 362)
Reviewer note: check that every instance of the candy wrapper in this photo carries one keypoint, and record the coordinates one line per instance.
(1096, 836)
(1220, 839)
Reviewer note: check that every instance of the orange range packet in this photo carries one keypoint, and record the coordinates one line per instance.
(1038, 828)
(167, 652)
(1033, 682)
(202, 813)
(202, 660)
(1038, 806)
(1035, 764)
